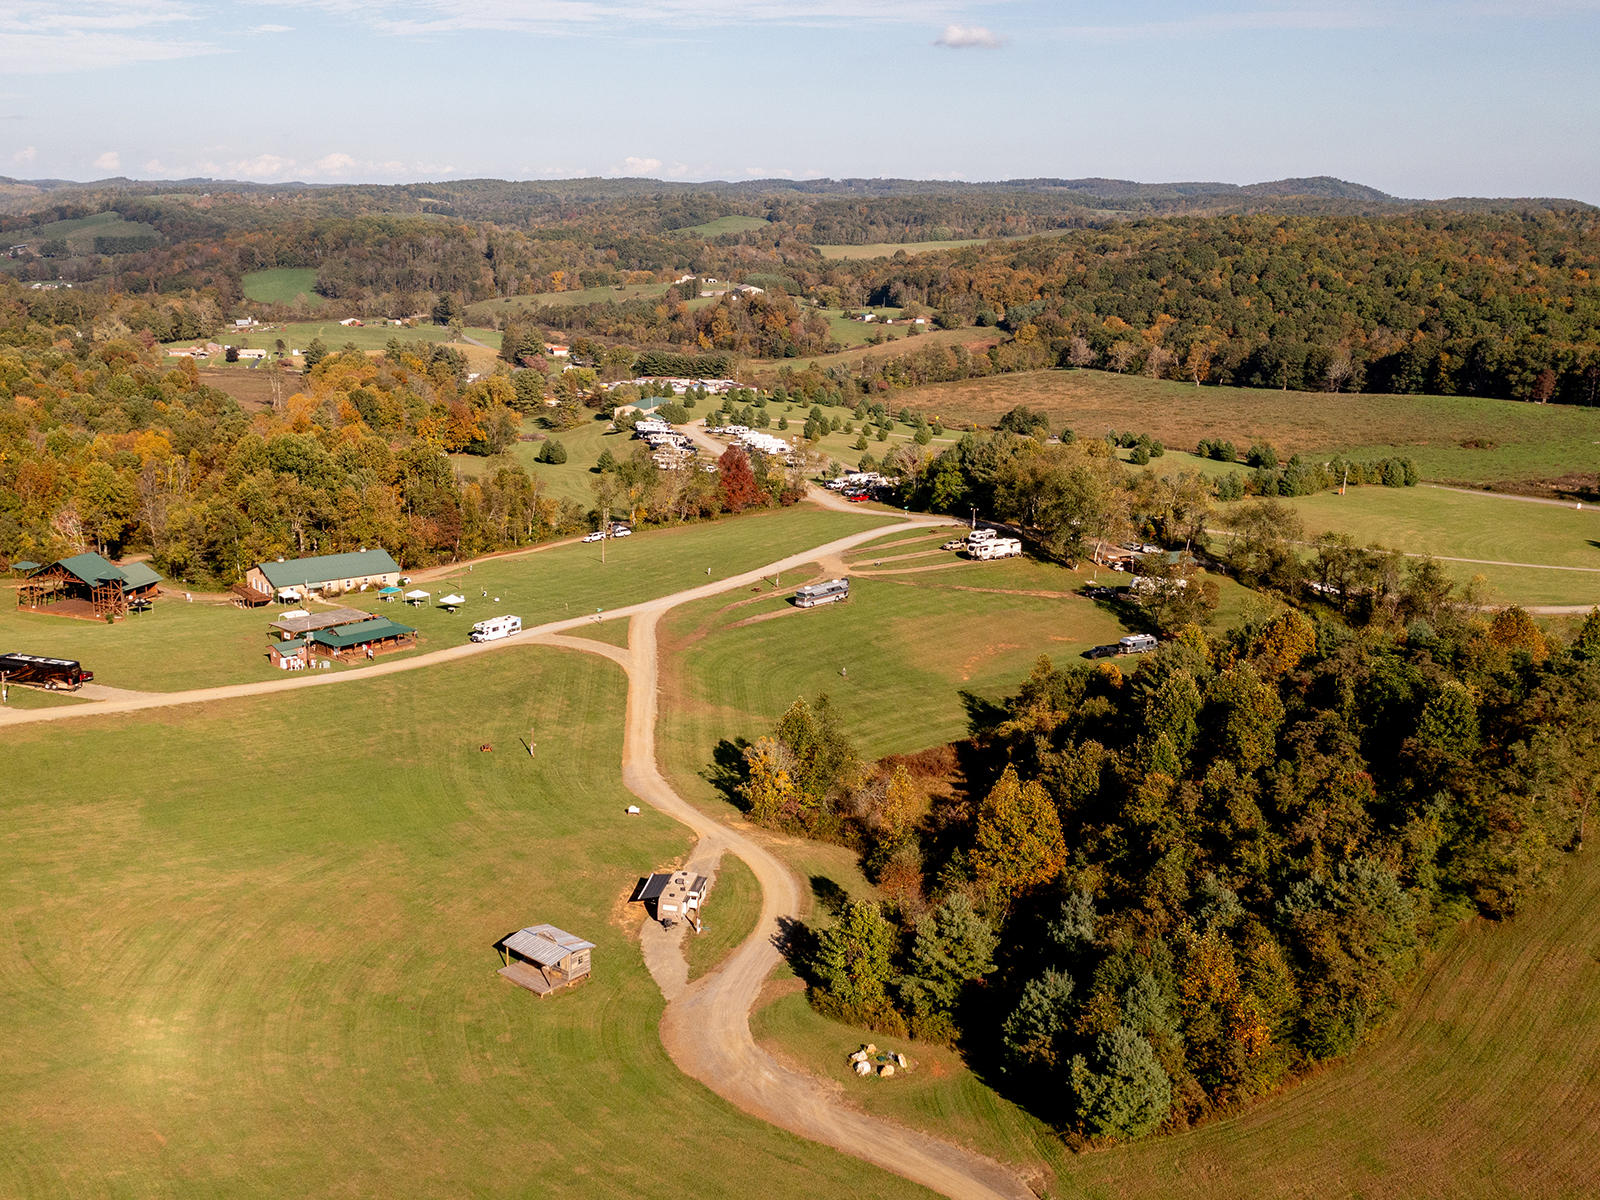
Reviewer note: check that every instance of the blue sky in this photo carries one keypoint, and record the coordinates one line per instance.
(1427, 98)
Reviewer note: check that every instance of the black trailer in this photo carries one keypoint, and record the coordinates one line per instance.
(52, 674)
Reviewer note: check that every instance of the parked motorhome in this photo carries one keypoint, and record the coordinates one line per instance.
(826, 592)
(995, 548)
(981, 535)
(496, 628)
(48, 673)
(1136, 643)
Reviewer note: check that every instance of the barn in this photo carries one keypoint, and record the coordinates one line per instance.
(544, 959)
(325, 574)
(88, 586)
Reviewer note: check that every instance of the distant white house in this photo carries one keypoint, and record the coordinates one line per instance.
(556, 350)
(356, 321)
(244, 323)
(244, 354)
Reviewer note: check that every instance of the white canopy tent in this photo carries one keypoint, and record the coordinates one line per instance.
(452, 601)
(416, 596)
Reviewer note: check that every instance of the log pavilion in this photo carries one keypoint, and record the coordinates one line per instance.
(88, 586)
(544, 959)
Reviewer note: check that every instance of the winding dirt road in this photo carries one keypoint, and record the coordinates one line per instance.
(706, 1025)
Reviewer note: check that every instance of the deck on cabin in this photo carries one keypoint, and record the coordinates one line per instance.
(540, 982)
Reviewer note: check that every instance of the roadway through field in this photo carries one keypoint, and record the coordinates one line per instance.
(706, 1025)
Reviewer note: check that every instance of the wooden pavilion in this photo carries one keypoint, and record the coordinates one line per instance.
(88, 586)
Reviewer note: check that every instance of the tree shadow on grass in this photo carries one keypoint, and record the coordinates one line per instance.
(829, 895)
(982, 714)
(796, 941)
(726, 771)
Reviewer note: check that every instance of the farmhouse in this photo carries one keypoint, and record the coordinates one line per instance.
(669, 895)
(327, 574)
(544, 959)
(89, 586)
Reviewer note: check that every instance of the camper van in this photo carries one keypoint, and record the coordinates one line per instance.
(496, 628)
(981, 535)
(995, 548)
(822, 593)
(1136, 643)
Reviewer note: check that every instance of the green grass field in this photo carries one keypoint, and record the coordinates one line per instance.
(1426, 520)
(1522, 441)
(179, 645)
(282, 285)
(489, 310)
(570, 480)
(80, 232)
(899, 341)
(721, 225)
(731, 911)
(251, 955)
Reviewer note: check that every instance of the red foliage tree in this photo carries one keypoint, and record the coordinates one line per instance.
(736, 481)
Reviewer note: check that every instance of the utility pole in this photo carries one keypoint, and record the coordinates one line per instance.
(974, 518)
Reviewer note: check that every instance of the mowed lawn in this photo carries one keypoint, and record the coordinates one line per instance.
(282, 285)
(907, 645)
(571, 480)
(1486, 1083)
(1428, 520)
(1515, 441)
(250, 953)
(179, 645)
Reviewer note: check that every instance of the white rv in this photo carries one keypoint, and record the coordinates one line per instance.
(496, 628)
(825, 592)
(995, 548)
(1136, 643)
(981, 535)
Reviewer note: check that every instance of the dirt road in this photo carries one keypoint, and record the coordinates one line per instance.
(706, 1025)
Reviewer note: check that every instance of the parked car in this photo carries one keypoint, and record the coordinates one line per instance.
(622, 531)
(596, 536)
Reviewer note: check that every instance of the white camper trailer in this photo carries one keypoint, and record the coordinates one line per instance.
(496, 628)
(995, 548)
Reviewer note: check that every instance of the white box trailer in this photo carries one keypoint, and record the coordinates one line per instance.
(981, 535)
(995, 548)
(1136, 643)
(496, 628)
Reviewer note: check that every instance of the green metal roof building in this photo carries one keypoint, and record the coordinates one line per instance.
(346, 572)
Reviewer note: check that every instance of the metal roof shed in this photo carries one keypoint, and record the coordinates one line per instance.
(543, 958)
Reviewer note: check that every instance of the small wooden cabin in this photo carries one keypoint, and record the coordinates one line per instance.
(544, 959)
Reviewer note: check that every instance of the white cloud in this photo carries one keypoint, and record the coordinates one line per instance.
(39, 37)
(109, 161)
(334, 164)
(558, 17)
(26, 156)
(635, 166)
(966, 37)
(256, 29)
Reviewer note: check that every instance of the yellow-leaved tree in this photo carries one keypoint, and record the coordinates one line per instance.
(1019, 840)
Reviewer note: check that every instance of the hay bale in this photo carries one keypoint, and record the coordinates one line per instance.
(886, 1070)
(859, 1056)
(863, 1067)
(870, 1048)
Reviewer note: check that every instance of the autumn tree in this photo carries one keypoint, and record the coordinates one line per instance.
(1018, 843)
(736, 481)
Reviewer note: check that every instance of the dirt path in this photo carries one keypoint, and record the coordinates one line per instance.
(706, 1025)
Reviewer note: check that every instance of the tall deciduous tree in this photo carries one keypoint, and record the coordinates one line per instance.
(1019, 843)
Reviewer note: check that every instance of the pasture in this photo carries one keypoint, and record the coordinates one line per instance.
(179, 645)
(488, 312)
(898, 341)
(1429, 520)
(237, 970)
(282, 285)
(733, 223)
(1452, 438)
(79, 232)
(890, 249)
(570, 480)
